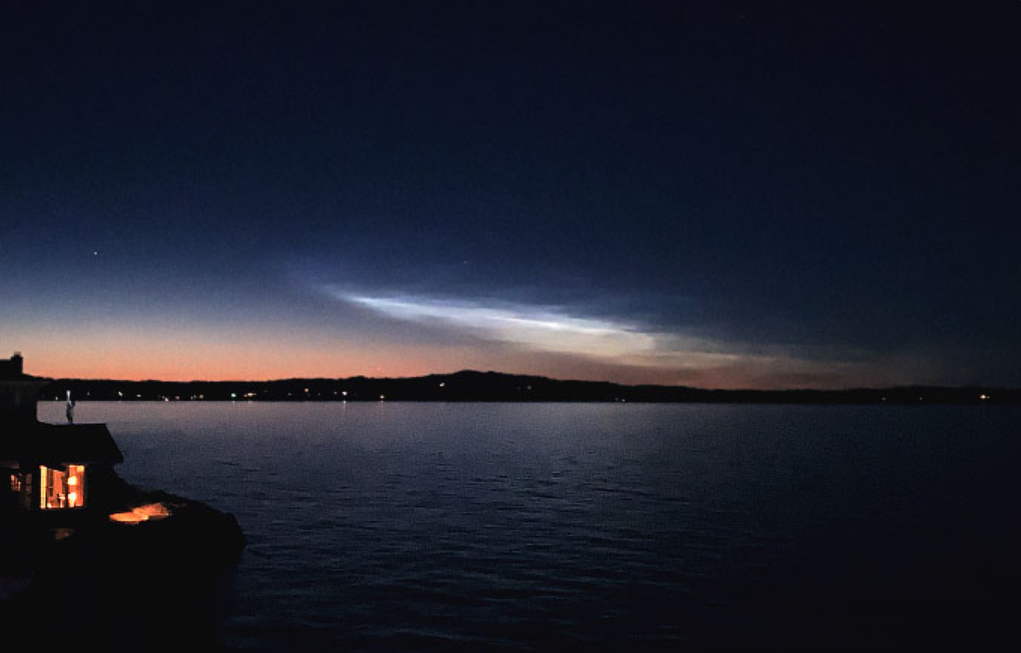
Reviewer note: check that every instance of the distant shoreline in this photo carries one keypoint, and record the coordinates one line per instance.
(472, 386)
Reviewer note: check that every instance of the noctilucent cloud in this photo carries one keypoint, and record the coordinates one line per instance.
(711, 194)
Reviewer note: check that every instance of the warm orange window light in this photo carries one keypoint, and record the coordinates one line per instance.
(61, 488)
(150, 511)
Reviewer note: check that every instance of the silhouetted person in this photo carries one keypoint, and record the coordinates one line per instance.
(70, 408)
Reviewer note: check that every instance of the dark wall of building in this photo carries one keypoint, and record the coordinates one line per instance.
(18, 401)
(12, 368)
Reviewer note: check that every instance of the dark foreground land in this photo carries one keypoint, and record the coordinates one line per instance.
(494, 386)
(152, 586)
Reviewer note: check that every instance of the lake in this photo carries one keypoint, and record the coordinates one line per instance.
(626, 527)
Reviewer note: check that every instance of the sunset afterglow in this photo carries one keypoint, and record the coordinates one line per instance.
(633, 205)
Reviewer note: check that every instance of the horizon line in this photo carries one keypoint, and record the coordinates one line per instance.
(970, 386)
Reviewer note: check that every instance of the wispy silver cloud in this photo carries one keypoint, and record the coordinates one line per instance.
(533, 327)
(567, 331)
(558, 330)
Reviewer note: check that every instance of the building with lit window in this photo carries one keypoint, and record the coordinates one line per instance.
(47, 468)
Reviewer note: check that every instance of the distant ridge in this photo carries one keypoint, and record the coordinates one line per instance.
(470, 385)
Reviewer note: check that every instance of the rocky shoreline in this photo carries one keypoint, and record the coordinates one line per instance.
(182, 537)
(122, 586)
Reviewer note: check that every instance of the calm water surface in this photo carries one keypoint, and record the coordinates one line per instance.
(404, 526)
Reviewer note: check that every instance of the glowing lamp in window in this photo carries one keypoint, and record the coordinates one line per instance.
(62, 487)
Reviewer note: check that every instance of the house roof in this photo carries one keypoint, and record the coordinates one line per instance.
(60, 443)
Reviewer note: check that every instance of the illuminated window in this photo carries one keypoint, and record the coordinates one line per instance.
(21, 489)
(62, 488)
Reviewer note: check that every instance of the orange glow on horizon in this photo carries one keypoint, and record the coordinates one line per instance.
(225, 362)
(243, 364)
(263, 356)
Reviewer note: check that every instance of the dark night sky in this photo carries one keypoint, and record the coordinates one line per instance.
(716, 194)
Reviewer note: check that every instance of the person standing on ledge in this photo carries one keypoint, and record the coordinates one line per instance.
(70, 408)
